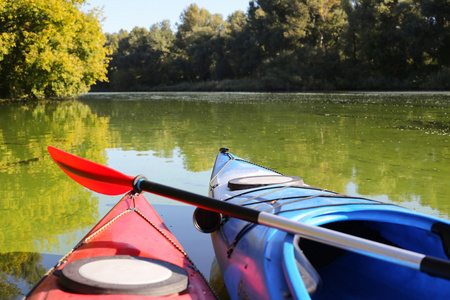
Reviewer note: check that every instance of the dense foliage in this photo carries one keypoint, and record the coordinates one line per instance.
(49, 48)
(292, 45)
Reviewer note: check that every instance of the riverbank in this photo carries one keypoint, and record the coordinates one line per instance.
(437, 82)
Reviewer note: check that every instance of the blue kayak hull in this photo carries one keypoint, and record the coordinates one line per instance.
(258, 262)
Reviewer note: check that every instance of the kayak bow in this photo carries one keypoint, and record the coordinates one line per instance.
(129, 254)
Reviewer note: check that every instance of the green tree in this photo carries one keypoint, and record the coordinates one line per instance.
(120, 78)
(134, 59)
(197, 25)
(437, 15)
(279, 25)
(241, 54)
(140, 58)
(330, 23)
(160, 42)
(49, 48)
(195, 44)
(298, 41)
(387, 42)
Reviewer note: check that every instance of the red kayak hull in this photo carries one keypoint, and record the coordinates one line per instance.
(131, 228)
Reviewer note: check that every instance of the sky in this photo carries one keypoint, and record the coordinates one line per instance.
(127, 14)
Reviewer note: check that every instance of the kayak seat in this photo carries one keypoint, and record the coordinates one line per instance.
(321, 255)
(312, 257)
(310, 277)
(123, 274)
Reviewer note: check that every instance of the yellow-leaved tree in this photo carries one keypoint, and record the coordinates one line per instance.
(50, 48)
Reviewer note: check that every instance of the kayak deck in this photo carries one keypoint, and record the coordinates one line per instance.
(258, 262)
(131, 235)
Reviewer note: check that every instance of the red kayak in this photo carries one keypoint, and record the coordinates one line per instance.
(129, 254)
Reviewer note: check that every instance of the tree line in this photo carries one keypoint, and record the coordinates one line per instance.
(289, 45)
(57, 49)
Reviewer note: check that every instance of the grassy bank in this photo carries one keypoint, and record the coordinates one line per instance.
(437, 82)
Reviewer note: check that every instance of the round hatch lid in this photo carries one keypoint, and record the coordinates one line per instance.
(250, 182)
(124, 274)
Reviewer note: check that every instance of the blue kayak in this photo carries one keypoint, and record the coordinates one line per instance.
(259, 262)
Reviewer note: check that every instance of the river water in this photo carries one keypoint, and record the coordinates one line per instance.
(391, 147)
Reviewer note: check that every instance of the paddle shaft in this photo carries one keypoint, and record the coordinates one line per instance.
(430, 265)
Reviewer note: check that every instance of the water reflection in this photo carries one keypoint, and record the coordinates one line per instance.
(19, 271)
(386, 144)
(37, 204)
(16, 267)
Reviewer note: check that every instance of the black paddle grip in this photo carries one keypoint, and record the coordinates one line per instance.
(435, 267)
(137, 183)
(201, 201)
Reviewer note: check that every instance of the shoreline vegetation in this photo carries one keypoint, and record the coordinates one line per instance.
(253, 85)
(57, 50)
(287, 45)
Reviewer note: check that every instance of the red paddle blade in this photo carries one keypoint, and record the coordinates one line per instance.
(96, 177)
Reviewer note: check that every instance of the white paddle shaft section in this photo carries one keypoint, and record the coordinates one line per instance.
(344, 241)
